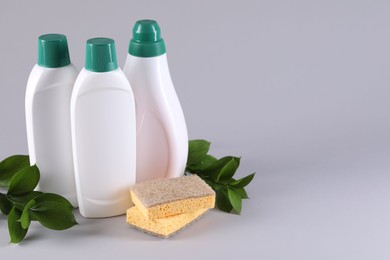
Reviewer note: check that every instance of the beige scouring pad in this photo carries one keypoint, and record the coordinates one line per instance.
(163, 227)
(161, 198)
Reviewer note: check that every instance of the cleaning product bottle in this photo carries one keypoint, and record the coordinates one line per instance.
(103, 133)
(162, 141)
(47, 103)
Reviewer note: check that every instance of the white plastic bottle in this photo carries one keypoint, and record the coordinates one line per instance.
(48, 94)
(103, 133)
(162, 140)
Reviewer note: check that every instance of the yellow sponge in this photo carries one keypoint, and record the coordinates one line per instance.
(163, 227)
(161, 198)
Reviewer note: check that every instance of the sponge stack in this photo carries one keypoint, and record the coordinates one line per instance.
(164, 206)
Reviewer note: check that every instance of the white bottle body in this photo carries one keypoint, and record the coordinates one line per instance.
(162, 139)
(104, 142)
(47, 106)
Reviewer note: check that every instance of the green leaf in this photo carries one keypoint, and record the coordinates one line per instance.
(228, 170)
(241, 183)
(24, 181)
(235, 200)
(16, 232)
(5, 204)
(218, 174)
(51, 197)
(53, 215)
(206, 162)
(213, 171)
(197, 149)
(25, 218)
(241, 192)
(10, 166)
(222, 199)
(21, 200)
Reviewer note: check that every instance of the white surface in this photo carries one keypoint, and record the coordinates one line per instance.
(299, 89)
(162, 139)
(103, 141)
(48, 95)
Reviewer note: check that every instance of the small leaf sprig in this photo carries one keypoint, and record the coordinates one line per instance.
(22, 204)
(218, 173)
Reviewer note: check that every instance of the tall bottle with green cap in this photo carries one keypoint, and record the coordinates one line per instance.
(103, 133)
(47, 104)
(162, 141)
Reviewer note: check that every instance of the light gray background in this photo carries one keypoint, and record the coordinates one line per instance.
(299, 89)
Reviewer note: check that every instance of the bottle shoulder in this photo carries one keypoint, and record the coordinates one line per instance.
(42, 78)
(69, 71)
(88, 81)
(148, 74)
(139, 66)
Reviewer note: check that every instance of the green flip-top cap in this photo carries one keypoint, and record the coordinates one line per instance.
(146, 41)
(100, 55)
(53, 51)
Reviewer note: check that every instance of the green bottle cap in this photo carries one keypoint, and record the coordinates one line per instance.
(53, 51)
(100, 55)
(146, 41)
